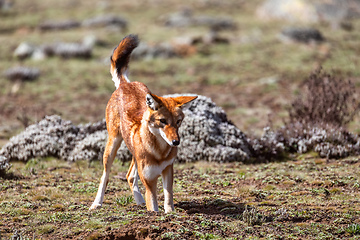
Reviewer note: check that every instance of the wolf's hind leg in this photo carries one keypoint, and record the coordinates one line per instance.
(133, 176)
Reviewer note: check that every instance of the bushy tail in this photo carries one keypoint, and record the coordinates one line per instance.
(121, 57)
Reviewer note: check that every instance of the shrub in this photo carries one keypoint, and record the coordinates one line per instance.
(317, 121)
(325, 99)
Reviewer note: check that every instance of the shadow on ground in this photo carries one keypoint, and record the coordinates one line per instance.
(188, 221)
(213, 207)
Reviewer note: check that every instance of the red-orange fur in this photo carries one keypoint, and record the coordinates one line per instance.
(131, 117)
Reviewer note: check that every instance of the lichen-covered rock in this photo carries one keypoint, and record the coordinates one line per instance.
(327, 140)
(24, 50)
(302, 35)
(91, 147)
(68, 50)
(162, 50)
(288, 10)
(212, 37)
(58, 25)
(106, 21)
(52, 136)
(186, 18)
(269, 146)
(338, 10)
(309, 11)
(215, 23)
(22, 73)
(4, 165)
(206, 134)
(81, 49)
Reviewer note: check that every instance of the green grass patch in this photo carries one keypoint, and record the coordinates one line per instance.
(124, 200)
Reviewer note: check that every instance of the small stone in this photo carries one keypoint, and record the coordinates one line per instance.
(24, 50)
(22, 73)
(302, 35)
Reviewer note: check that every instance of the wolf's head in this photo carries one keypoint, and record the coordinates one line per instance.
(166, 116)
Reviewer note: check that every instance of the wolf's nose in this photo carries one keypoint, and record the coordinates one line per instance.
(175, 142)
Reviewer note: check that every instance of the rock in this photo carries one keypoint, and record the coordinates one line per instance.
(215, 23)
(62, 49)
(52, 136)
(206, 134)
(58, 25)
(186, 40)
(68, 50)
(106, 21)
(212, 37)
(162, 50)
(303, 35)
(337, 11)
(306, 11)
(327, 140)
(38, 55)
(24, 50)
(89, 41)
(6, 5)
(179, 19)
(22, 73)
(288, 10)
(185, 18)
(4, 165)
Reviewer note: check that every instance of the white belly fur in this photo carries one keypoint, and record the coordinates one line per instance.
(153, 171)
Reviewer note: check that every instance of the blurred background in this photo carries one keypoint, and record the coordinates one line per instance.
(250, 57)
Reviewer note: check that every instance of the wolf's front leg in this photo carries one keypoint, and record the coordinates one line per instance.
(167, 178)
(111, 148)
(150, 195)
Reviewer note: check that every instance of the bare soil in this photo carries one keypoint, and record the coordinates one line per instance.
(305, 198)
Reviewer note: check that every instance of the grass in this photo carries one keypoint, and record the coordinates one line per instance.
(211, 201)
(124, 200)
(353, 229)
(69, 86)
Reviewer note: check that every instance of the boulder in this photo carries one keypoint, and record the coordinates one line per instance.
(22, 73)
(24, 50)
(288, 10)
(306, 11)
(106, 21)
(302, 35)
(206, 134)
(185, 18)
(50, 25)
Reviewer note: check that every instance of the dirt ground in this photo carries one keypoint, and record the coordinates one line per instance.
(305, 198)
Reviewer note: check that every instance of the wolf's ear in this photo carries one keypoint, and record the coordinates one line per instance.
(183, 101)
(153, 101)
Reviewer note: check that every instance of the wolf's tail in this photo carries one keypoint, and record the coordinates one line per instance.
(121, 57)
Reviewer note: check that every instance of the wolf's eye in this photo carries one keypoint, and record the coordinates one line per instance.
(178, 122)
(163, 121)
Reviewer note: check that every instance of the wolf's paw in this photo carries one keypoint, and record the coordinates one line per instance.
(95, 206)
(169, 209)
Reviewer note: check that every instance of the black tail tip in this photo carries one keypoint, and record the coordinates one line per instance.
(124, 49)
(133, 39)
